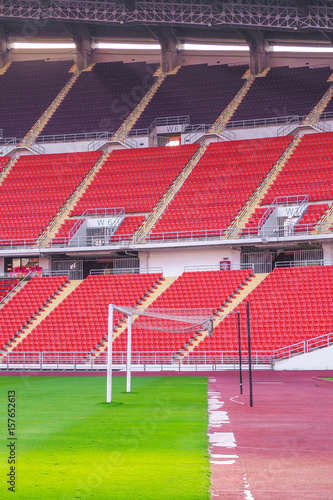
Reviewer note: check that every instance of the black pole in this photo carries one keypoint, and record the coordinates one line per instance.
(249, 349)
(240, 354)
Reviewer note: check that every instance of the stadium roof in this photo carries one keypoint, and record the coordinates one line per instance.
(220, 21)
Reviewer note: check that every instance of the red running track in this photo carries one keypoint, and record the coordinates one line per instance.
(284, 444)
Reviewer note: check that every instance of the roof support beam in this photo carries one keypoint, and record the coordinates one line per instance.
(3, 47)
(170, 45)
(84, 44)
(259, 50)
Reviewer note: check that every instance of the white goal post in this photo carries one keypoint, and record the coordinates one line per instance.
(189, 321)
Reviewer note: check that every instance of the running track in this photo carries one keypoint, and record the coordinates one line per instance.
(282, 448)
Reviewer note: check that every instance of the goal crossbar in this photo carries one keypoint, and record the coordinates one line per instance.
(197, 320)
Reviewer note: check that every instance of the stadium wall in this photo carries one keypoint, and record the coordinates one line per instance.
(173, 261)
(322, 359)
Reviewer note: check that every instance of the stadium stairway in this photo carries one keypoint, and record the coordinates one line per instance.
(124, 129)
(4, 69)
(41, 294)
(6, 170)
(325, 221)
(43, 313)
(316, 112)
(227, 113)
(257, 196)
(13, 292)
(34, 132)
(59, 218)
(238, 297)
(161, 205)
(145, 302)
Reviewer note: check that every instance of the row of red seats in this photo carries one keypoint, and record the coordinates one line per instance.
(220, 184)
(80, 322)
(122, 184)
(24, 213)
(280, 315)
(26, 304)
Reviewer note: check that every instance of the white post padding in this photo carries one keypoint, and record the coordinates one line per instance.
(129, 354)
(109, 366)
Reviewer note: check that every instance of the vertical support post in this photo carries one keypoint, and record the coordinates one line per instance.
(109, 362)
(249, 350)
(129, 354)
(240, 354)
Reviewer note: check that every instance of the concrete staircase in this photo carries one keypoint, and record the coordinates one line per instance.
(314, 115)
(324, 224)
(225, 310)
(6, 171)
(151, 296)
(221, 123)
(60, 217)
(159, 208)
(29, 139)
(254, 201)
(175, 70)
(41, 315)
(13, 293)
(4, 69)
(123, 131)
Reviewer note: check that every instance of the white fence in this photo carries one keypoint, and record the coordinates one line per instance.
(168, 359)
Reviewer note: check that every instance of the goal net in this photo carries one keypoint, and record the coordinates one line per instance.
(183, 322)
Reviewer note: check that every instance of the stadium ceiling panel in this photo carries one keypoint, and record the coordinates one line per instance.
(258, 14)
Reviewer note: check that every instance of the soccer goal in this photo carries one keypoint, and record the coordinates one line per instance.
(176, 321)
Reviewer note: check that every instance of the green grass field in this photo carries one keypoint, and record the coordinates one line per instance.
(150, 444)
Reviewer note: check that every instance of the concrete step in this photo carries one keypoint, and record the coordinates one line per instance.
(7, 169)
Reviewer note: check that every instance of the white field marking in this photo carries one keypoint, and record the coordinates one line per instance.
(224, 439)
(214, 404)
(222, 462)
(268, 382)
(247, 492)
(233, 400)
(212, 380)
(218, 418)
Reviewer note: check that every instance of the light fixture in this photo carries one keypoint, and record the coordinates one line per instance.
(207, 47)
(302, 48)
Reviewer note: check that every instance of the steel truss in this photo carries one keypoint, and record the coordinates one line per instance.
(276, 14)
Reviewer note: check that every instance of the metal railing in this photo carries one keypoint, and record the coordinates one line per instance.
(127, 270)
(305, 263)
(118, 213)
(303, 347)
(285, 201)
(98, 142)
(47, 139)
(87, 360)
(24, 278)
(170, 238)
(233, 267)
(7, 145)
(37, 148)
